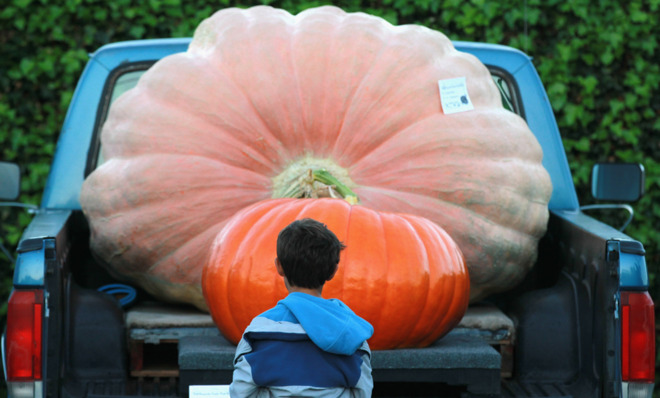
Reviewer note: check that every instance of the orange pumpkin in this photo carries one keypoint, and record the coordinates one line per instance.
(261, 96)
(402, 273)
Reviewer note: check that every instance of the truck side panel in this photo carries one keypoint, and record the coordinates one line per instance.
(567, 330)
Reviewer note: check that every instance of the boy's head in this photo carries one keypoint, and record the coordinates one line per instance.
(308, 253)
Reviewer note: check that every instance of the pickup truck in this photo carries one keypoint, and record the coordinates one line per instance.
(580, 325)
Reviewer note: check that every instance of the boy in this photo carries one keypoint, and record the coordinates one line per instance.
(306, 346)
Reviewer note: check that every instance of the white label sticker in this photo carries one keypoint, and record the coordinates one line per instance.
(217, 391)
(454, 95)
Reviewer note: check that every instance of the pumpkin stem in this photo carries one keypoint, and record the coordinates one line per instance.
(307, 186)
(325, 177)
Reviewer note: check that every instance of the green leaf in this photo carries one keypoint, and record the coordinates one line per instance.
(22, 3)
(589, 83)
(607, 57)
(26, 66)
(137, 32)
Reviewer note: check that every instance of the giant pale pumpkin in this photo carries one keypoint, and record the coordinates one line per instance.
(261, 96)
(402, 273)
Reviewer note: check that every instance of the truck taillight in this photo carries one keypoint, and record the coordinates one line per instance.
(23, 338)
(637, 340)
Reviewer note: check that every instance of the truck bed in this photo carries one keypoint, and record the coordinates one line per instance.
(171, 347)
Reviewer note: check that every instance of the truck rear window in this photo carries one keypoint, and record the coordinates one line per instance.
(125, 82)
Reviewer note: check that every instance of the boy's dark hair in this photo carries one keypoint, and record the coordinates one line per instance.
(308, 252)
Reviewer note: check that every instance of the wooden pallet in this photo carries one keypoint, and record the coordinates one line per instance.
(155, 329)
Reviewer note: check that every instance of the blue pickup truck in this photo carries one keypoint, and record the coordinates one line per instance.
(580, 325)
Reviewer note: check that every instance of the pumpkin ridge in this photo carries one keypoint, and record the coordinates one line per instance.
(450, 298)
(319, 108)
(448, 287)
(231, 309)
(299, 87)
(379, 314)
(502, 216)
(371, 167)
(391, 295)
(433, 133)
(263, 121)
(349, 102)
(262, 125)
(219, 67)
(397, 194)
(343, 258)
(112, 223)
(268, 40)
(209, 165)
(213, 229)
(479, 278)
(418, 310)
(213, 160)
(219, 278)
(402, 130)
(396, 37)
(224, 273)
(215, 123)
(425, 308)
(296, 26)
(420, 226)
(264, 215)
(447, 294)
(521, 186)
(237, 310)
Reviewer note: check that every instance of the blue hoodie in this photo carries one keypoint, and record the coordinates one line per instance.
(305, 346)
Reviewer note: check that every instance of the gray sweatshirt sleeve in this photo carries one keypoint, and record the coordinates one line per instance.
(365, 384)
(242, 384)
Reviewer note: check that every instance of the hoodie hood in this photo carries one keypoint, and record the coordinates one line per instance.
(329, 323)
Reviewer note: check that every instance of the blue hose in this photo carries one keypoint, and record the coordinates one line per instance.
(126, 294)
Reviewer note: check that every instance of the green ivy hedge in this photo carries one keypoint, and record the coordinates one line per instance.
(598, 59)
